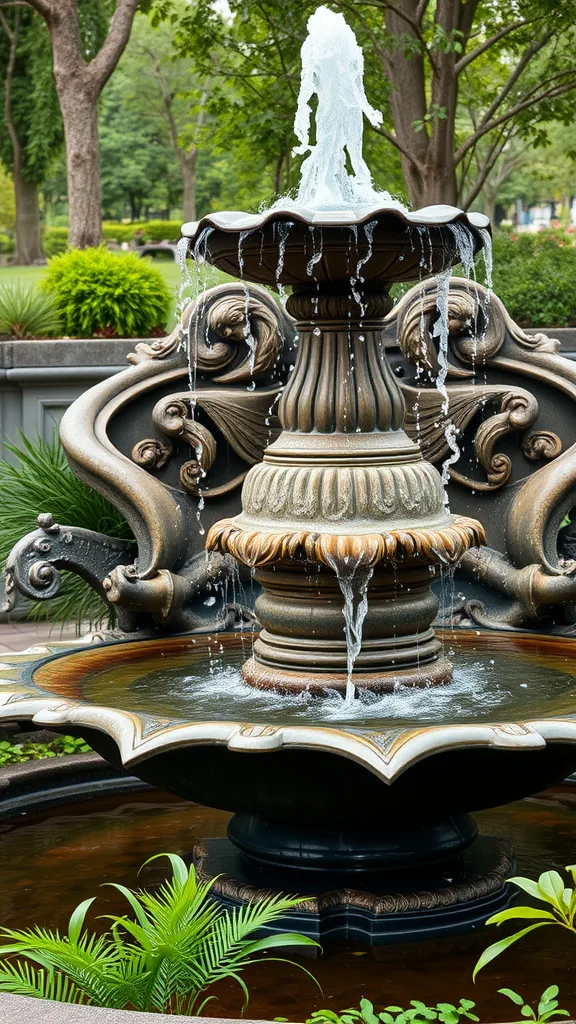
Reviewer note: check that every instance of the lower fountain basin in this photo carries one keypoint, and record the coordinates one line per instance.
(176, 712)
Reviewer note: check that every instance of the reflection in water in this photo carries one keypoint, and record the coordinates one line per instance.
(493, 686)
(53, 860)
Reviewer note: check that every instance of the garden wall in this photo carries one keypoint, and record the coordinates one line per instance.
(40, 379)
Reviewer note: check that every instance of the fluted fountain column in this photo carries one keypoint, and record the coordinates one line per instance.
(344, 493)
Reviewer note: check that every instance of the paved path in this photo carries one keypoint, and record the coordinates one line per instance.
(17, 636)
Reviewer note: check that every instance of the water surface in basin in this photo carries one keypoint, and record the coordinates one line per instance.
(497, 678)
(54, 859)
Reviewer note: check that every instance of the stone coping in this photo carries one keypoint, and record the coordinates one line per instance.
(24, 1010)
(67, 352)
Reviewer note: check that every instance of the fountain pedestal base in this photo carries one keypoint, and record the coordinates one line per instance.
(374, 908)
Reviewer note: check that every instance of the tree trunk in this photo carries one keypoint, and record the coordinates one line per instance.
(80, 115)
(28, 247)
(188, 167)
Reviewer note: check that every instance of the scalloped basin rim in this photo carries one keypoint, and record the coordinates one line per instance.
(237, 220)
(138, 735)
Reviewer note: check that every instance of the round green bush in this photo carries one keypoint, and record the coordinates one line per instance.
(6, 243)
(100, 293)
(535, 276)
(115, 231)
(55, 241)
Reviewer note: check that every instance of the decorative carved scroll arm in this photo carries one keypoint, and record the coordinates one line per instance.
(245, 418)
(34, 564)
(426, 423)
(479, 326)
(235, 328)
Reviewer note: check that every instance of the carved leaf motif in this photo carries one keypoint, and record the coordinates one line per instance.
(151, 453)
(243, 417)
(218, 327)
(240, 320)
(541, 444)
(477, 321)
(426, 422)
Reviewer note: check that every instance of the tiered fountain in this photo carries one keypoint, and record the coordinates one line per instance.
(359, 798)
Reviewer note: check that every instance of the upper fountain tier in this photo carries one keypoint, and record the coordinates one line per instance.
(341, 228)
(375, 245)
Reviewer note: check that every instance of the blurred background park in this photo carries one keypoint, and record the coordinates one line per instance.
(121, 119)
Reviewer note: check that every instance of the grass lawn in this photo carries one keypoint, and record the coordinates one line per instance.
(168, 268)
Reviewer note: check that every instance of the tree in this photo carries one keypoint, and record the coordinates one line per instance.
(170, 91)
(252, 59)
(138, 170)
(81, 69)
(422, 59)
(32, 118)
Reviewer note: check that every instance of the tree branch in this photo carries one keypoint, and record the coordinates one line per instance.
(531, 101)
(530, 52)
(392, 138)
(43, 7)
(421, 9)
(484, 174)
(103, 64)
(469, 57)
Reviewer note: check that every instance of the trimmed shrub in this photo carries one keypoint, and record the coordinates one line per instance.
(55, 241)
(6, 243)
(160, 230)
(27, 312)
(115, 231)
(104, 294)
(535, 276)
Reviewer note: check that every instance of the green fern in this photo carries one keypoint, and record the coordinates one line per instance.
(27, 312)
(164, 958)
(40, 480)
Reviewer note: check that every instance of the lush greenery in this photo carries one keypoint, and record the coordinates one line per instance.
(559, 909)
(164, 956)
(100, 293)
(535, 276)
(55, 239)
(40, 480)
(18, 753)
(27, 312)
(548, 1005)
(417, 1013)
(447, 1013)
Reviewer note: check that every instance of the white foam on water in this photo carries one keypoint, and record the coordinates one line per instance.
(333, 71)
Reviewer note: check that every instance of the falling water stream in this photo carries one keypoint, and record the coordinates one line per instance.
(334, 176)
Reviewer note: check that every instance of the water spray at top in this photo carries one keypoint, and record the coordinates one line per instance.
(333, 70)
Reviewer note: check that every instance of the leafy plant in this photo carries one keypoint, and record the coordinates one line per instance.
(40, 480)
(417, 1013)
(27, 312)
(535, 276)
(18, 753)
(550, 890)
(164, 958)
(547, 1005)
(103, 293)
(55, 241)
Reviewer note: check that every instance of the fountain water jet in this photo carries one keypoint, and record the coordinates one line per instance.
(342, 489)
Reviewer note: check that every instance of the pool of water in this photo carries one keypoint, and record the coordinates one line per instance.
(497, 678)
(52, 860)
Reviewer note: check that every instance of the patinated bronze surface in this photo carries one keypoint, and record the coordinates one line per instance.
(342, 490)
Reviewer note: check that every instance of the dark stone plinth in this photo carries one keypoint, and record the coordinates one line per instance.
(377, 909)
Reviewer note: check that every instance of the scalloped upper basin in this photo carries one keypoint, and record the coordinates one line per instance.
(293, 245)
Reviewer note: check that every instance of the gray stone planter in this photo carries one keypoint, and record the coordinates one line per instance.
(40, 379)
(22, 1010)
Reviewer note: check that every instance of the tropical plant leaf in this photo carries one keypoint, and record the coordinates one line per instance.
(496, 948)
